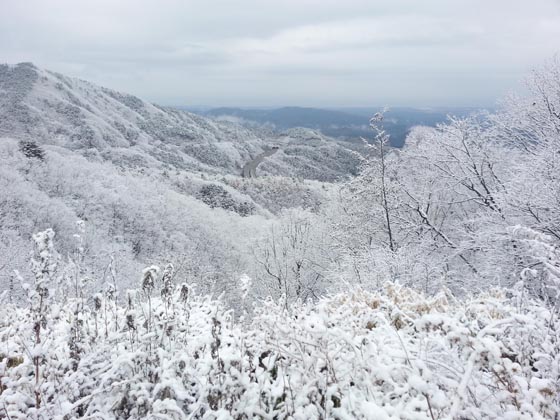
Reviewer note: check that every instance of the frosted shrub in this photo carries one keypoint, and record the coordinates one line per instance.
(396, 353)
(32, 150)
(542, 275)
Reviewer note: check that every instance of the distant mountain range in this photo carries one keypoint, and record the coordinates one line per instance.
(343, 123)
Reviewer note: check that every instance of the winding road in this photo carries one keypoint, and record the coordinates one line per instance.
(250, 168)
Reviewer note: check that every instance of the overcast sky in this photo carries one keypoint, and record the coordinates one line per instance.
(288, 52)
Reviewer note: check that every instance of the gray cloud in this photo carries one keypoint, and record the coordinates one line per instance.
(304, 52)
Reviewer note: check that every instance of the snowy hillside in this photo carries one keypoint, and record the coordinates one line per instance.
(51, 108)
(150, 183)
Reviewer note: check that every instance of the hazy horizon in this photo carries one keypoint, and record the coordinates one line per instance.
(297, 53)
(348, 108)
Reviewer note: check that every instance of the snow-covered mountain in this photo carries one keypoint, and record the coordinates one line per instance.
(150, 183)
(51, 108)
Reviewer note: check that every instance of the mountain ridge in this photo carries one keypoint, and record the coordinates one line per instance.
(51, 108)
(350, 124)
(148, 183)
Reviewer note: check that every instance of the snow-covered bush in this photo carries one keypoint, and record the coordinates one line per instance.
(31, 150)
(217, 196)
(392, 354)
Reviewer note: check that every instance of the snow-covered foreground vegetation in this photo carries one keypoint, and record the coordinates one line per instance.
(164, 352)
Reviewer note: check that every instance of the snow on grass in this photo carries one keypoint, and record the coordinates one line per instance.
(396, 354)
